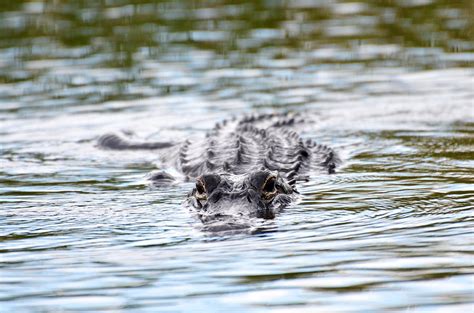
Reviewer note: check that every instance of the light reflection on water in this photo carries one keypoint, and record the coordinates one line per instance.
(391, 85)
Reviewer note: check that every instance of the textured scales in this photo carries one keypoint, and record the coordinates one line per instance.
(244, 168)
(256, 142)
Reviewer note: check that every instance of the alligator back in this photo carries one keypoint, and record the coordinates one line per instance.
(264, 141)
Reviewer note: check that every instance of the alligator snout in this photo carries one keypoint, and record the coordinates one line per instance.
(258, 195)
(229, 205)
(218, 195)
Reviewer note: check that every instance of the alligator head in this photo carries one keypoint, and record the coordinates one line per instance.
(224, 197)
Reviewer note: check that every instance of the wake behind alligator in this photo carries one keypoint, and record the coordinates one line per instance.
(244, 168)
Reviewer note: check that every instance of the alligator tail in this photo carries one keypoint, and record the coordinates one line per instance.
(115, 142)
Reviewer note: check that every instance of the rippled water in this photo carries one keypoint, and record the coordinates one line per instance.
(392, 83)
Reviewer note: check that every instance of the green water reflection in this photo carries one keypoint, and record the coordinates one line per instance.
(420, 34)
(389, 82)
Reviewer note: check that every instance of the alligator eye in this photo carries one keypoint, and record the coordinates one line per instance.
(200, 191)
(200, 187)
(269, 188)
(270, 185)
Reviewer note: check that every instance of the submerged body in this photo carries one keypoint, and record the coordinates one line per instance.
(245, 167)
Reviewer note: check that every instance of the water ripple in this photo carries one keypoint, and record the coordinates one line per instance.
(390, 88)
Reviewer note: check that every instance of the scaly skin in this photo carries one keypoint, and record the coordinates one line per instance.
(243, 167)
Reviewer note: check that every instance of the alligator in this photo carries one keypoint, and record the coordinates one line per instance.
(243, 168)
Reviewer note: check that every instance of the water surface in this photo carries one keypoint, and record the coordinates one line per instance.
(392, 85)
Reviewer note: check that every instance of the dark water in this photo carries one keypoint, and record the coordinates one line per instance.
(391, 81)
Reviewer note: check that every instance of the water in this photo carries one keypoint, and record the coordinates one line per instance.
(392, 84)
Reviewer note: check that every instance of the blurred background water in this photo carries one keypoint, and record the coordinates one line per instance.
(392, 84)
